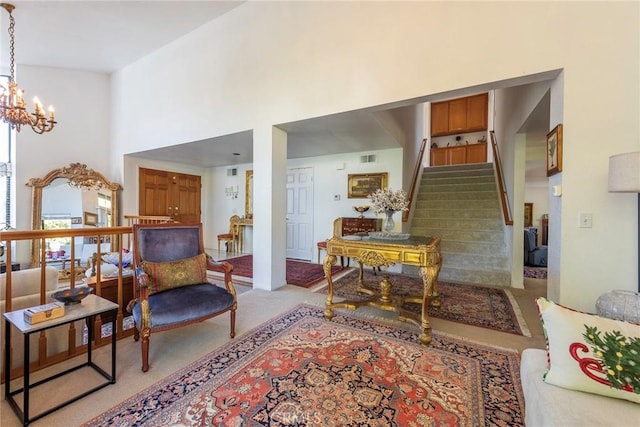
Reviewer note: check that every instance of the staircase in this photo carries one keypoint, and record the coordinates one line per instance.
(461, 205)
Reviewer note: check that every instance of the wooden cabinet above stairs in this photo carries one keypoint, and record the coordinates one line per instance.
(461, 115)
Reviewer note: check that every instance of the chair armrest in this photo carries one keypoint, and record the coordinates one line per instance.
(220, 266)
(223, 267)
(142, 278)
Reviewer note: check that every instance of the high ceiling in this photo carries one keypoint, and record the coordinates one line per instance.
(104, 36)
(101, 36)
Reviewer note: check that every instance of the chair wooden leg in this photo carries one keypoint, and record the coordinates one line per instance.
(145, 350)
(218, 245)
(233, 324)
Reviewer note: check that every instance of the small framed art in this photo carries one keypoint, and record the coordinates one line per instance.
(528, 214)
(362, 184)
(90, 219)
(554, 151)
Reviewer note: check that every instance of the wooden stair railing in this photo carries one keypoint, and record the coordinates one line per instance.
(502, 189)
(414, 181)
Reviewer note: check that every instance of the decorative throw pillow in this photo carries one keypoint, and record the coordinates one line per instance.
(174, 274)
(590, 353)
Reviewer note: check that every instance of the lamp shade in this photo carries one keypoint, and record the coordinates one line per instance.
(624, 173)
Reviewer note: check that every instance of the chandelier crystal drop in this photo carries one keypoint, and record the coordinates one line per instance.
(13, 108)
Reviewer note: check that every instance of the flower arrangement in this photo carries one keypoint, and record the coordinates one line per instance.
(389, 200)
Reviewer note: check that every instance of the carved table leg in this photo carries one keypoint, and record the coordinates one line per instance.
(429, 283)
(329, 261)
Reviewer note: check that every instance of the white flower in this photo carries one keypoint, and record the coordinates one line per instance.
(387, 199)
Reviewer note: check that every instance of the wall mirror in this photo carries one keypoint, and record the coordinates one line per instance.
(66, 197)
(248, 198)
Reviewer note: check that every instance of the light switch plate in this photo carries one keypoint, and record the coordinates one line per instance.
(586, 220)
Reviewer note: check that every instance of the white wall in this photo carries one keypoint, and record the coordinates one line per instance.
(81, 101)
(265, 63)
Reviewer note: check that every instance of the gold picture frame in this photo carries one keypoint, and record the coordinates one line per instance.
(90, 219)
(554, 151)
(528, 214)
(361, 185)
(248, 194)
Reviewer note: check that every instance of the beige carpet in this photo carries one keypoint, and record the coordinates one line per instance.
(174, 349)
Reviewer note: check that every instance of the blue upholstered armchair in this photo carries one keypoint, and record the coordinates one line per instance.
(171, 287)
(535, 256)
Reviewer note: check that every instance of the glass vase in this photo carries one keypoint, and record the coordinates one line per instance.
(388, 224)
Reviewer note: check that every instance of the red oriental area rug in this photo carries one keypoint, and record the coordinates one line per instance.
(300, 369)
(482, 306)
(299, 273)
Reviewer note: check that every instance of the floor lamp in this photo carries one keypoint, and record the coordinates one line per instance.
(624, 177)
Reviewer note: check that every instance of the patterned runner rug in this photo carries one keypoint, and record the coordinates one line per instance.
(300, 369)
(299, 273)
(491, 308)
(535, 272)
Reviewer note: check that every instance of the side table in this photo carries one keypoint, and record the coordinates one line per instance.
(90, 307)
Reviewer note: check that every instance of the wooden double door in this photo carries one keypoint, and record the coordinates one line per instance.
(173, 194)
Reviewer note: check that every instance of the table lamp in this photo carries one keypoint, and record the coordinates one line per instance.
(624, 177)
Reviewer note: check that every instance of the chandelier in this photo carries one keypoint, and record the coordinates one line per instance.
(13, 109)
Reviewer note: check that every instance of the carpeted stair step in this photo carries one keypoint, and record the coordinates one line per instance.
(468, 275)
(455, 187)
(460, 204)
(492, 224)
(482, 277)
(481, 248)
(433, 213)
(436, 181)
(458, 195)
(475, 261)
(460, 235)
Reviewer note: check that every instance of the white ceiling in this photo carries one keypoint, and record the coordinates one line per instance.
(103, 36)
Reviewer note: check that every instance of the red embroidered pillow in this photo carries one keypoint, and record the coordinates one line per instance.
(174, 274)
(590, 353)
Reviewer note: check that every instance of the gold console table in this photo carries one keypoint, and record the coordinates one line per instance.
(420, 251)
(240, 225)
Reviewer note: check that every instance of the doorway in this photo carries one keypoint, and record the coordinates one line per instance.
(300, 213)
(173, 194)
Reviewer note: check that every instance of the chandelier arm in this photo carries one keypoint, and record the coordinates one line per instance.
(13, 109)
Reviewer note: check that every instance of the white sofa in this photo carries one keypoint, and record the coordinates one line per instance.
(549, 405)
(84, 251)
(25, 292)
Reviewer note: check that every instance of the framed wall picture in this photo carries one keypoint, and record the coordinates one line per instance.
(528, 214)
(90, 219)
(76, 220)
(362, 184)
(554, 151)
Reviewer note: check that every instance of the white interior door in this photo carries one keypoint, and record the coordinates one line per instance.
(300, 213)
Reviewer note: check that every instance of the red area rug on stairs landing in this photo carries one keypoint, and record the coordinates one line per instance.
(299, 273)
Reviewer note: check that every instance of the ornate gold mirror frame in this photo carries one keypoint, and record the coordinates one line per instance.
(248, 194)
(78, 175)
